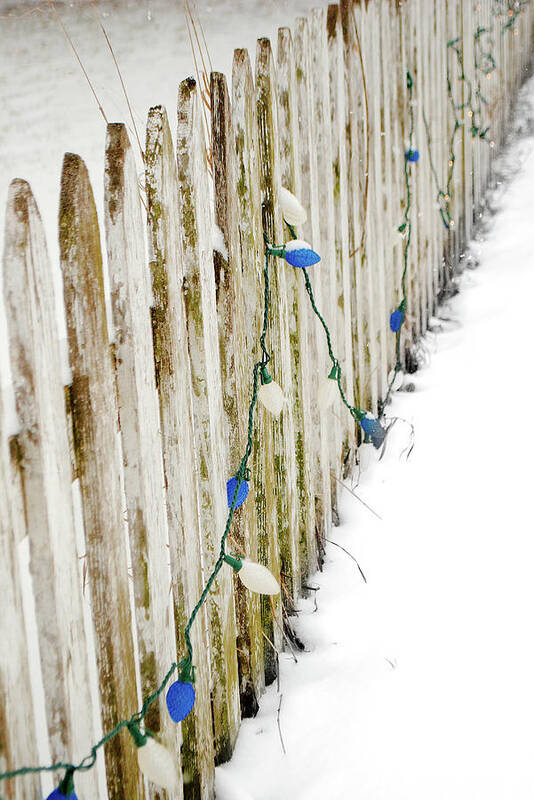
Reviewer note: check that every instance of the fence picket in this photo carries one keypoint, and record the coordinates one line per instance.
(342, 307)
(95, 418)
(245, 132)
(173, 380)
(18, 741)
(211, 427)
(44, 464)
(298, 304)
(140, 430)
(311, 232)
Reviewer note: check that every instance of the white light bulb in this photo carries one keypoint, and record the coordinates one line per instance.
(292, 211)
(157, 764)
(328, 391)
(257, 578)
(366, 453)
(271, 396)
(397, 379)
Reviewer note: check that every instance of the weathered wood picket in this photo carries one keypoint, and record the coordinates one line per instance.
(113, 491)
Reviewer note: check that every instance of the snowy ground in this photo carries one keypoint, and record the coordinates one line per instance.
(419, 685)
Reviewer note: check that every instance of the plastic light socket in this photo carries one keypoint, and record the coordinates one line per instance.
(292, 211)
(157, 764)
(180, 700)
(58, 795)
(271, 397)
(300, 254)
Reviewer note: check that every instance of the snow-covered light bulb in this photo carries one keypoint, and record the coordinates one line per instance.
(300, 254)
(374, 430)
(254, 576)
(155, 761)
(395, 379)
(65, 790)
(242, 492)
(328, 390)
(292, 211)
(270, 394)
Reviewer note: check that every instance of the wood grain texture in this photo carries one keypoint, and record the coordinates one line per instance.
(18, 744)
(45, 474)
(95, 423)
(281, 502)
(144, 487)
(342, 305)
(311, 233)
(250, 642)
(300, 330)
(173, 378)
(324, 278)
(206, 275)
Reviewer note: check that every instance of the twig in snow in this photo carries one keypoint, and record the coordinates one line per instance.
(349, 554)
(281, 629)
(279, 726)
(357, 498)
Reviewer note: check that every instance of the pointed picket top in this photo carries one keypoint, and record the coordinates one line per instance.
(245, 133)
(45, 473)
(131, 298)
(168, 219)
(95, 418)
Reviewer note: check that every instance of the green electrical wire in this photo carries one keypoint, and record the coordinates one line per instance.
(356, 412)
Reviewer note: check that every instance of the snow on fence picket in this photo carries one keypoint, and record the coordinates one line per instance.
(154, 420)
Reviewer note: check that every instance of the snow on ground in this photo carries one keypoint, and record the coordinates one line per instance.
(418, 685)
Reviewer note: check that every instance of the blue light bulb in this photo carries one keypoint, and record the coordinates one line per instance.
(300, 254)
(180, 700)
(374, 430)
(57, 794)
(396, 319)
(242, 492)
(412, 155)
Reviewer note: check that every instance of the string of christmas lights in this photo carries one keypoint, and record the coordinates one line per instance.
(155, 761)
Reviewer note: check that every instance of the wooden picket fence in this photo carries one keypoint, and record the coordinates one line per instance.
(112, 494)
